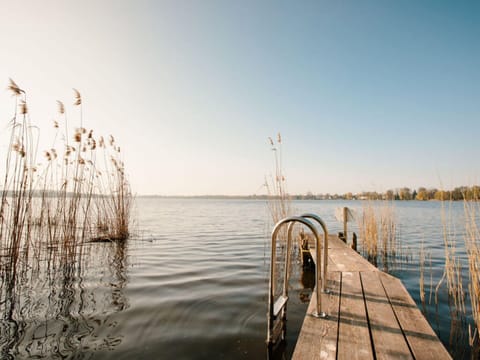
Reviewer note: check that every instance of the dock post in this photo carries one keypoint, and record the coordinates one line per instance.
(345, 218)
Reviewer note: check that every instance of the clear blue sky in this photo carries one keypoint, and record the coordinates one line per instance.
(368, 95)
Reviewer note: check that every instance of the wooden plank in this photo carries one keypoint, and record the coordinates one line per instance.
(348, 260)
(421, 338)
(354, 336)
(388, 339)
(343, 258)
(318, 337)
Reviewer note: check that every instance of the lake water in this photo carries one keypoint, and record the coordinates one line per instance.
(192, 283)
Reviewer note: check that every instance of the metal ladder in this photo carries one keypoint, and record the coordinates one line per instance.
(277, 308)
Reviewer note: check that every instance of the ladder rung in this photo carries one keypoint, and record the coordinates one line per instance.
(279, 305)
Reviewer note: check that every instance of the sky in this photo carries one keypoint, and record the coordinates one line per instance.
(368, 95)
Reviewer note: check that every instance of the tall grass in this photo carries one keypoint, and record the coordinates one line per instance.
(472, 244)
(279, 201)
(79, 193)
(279, 207)
(378, 234)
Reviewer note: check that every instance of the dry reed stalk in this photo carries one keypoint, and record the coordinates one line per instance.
(452, 269)
(472, 244)
(452, 275)
(378, 234)
(279, 202)
(55, 207)
(279, 205)
(422, 276)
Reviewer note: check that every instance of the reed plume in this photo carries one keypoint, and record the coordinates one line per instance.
(69, 200)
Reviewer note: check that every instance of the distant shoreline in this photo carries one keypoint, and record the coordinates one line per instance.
(265, 197)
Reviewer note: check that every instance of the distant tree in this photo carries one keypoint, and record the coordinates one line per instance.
(431, 193)
(389, 195)
(422, 194)
(458, 193)
(442, 195)
(405, 194)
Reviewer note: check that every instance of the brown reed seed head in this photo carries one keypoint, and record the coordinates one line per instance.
(78, 98)
(61, 107)
(13, 87)
(78, 135)
(23, 107)
(279, 138)
(55, 124)
(270, 140)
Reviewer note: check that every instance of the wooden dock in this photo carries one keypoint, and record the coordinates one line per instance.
(370, 315)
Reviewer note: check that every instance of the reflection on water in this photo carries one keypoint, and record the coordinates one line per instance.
(60, 308)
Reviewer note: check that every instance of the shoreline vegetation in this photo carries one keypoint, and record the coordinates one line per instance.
(71, 193)
(421, 194)
(55, 205)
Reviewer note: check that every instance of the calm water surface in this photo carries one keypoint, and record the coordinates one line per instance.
(190, 284)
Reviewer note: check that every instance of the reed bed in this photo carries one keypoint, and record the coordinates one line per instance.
(78, 193)
(453, 267)
(378, 234)
(472, 244)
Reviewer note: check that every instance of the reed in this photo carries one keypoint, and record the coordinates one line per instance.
(452, 273)
(279, 201)
(452, 281)
(279, 207)
(472, 244)
(378, 234)
(422, 277)
(68, 200)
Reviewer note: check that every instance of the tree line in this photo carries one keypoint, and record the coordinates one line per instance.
(404, 193)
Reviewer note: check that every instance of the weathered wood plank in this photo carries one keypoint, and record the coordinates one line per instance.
(397, 326)
(318, 338)
(388, 339)
(353, 336)
(349, 260)
(421, 338)
(343, 258)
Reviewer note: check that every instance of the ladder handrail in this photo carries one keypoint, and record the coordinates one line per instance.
(325, 246)
(291, 220)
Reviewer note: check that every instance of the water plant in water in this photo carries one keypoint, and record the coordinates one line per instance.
(379, 242)
(472, 244)
(80, 193)
(279, 201)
